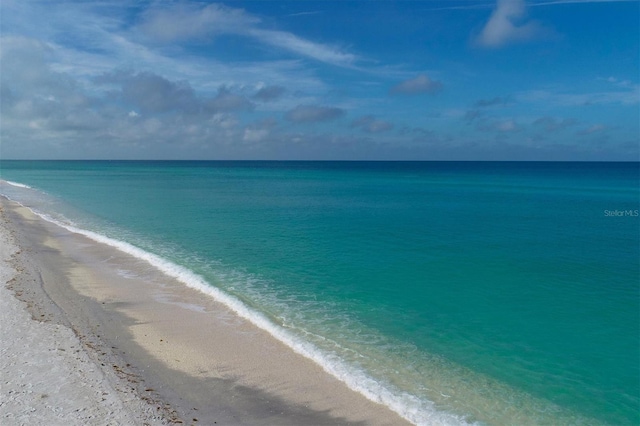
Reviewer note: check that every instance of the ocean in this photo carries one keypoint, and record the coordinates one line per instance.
(454, 292)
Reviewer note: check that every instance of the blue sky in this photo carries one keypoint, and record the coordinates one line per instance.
(329, 80)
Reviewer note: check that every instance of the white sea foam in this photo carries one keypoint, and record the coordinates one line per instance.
(19, 185)
(408, 406)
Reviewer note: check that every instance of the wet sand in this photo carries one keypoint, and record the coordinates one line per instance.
(164, 352)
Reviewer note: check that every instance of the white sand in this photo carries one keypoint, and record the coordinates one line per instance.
(47, 377)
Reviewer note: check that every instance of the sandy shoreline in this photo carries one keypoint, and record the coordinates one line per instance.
(159, 352)
(49, 375)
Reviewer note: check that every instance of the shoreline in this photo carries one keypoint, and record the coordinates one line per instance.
(174, 347)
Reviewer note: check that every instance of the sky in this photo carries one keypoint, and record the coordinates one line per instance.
(553, 80)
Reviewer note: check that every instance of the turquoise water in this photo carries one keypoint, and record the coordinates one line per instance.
(497, 293)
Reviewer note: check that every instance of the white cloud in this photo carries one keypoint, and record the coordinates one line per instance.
(508, 25)
(225, 100)
(507, 126)
(151, 92)
(255, 135)
(313, 114)
(500, 125)
(269, 93)
(24, 67)
(417, 85)
(370, 124)
(551, 124)
(70, 91)
(596, 128)
(47, 113)
(183, 21)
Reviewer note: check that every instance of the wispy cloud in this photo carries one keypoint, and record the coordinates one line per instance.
(627, 95)
(185, 21)
(555, 2)
(551, 124)
(303, 47)
(303, 14)
(86, 39)
(484, 103)
(533, 3)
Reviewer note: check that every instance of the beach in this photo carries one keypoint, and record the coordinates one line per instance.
(92, 335)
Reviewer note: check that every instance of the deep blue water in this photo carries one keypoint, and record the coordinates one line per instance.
(504, 293)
